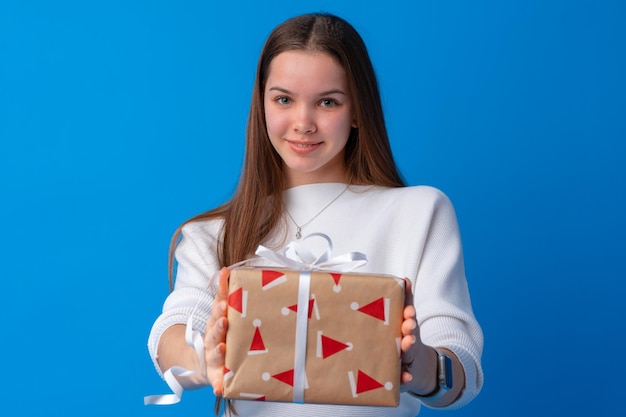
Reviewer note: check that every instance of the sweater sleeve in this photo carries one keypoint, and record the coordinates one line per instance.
(194, 289)
(442, 299)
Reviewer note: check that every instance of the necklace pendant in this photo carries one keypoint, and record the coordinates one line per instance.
(299, 228)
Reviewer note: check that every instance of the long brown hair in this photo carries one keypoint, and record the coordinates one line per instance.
(257, 205)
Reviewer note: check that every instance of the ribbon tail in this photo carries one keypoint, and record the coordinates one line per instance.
(194, 339)
(173, 384)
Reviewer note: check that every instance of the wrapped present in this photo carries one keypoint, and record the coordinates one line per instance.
(313, 336)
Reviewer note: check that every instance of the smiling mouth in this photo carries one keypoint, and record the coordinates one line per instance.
(303, 147)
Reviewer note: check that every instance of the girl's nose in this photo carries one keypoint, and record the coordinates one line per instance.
(304, 122)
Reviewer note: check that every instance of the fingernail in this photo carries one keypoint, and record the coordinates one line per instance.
(220, 324)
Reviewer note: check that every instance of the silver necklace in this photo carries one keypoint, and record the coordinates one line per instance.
(299, 227)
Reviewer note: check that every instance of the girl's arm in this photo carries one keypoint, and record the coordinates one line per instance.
(173, 350)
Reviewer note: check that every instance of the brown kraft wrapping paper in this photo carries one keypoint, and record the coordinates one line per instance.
(352, 338)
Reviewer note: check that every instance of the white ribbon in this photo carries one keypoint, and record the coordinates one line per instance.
(302, 322)
(297, 256)
(195, 340)
(294, 256)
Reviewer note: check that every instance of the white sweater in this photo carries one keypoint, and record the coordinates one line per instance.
(407, 232)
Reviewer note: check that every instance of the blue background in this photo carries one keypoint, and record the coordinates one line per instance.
(120, 119)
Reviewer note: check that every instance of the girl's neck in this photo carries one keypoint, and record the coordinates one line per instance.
(295, 179)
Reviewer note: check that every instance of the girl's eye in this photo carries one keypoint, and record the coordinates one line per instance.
(327, 102)
(283, 100)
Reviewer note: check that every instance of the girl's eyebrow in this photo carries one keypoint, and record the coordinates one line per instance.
(324, 93)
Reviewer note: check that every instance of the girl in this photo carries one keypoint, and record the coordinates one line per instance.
(318, 159)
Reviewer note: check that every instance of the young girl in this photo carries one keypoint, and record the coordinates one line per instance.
(318, 159)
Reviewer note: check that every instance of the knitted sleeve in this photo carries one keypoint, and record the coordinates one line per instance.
(442, 299)
(194, 291)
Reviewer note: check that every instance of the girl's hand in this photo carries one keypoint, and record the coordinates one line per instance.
(418, 359)
(215, 336)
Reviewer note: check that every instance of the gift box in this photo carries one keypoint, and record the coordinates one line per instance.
(313, 336)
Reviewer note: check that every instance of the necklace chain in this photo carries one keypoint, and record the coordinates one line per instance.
(299, 227)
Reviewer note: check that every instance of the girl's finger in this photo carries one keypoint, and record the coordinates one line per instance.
(218, 311)
(408, 292)
(215, 366)
(222, 285)
(216, 334)
(215, 357)
(408, 326)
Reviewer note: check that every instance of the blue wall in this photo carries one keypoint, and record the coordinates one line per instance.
(120, 119)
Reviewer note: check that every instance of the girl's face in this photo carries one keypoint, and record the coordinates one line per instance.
(309, 116)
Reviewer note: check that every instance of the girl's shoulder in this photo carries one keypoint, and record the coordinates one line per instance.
(419, 194)
(202, 230)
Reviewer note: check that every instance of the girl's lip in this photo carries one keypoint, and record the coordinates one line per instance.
(303, 147)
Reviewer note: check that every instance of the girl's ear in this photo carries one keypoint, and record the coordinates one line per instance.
(355, 124)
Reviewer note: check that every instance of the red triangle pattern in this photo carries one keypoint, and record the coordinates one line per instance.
(268, 276)
(235, 300)
(286, 377)
(311, 304)
(375, 309)
(366, 383)
(257, 341)
(331, 346)
(336, 277)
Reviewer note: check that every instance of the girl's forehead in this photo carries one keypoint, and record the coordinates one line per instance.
(305, 69)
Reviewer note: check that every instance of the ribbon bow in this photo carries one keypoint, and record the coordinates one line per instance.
(296, 256)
